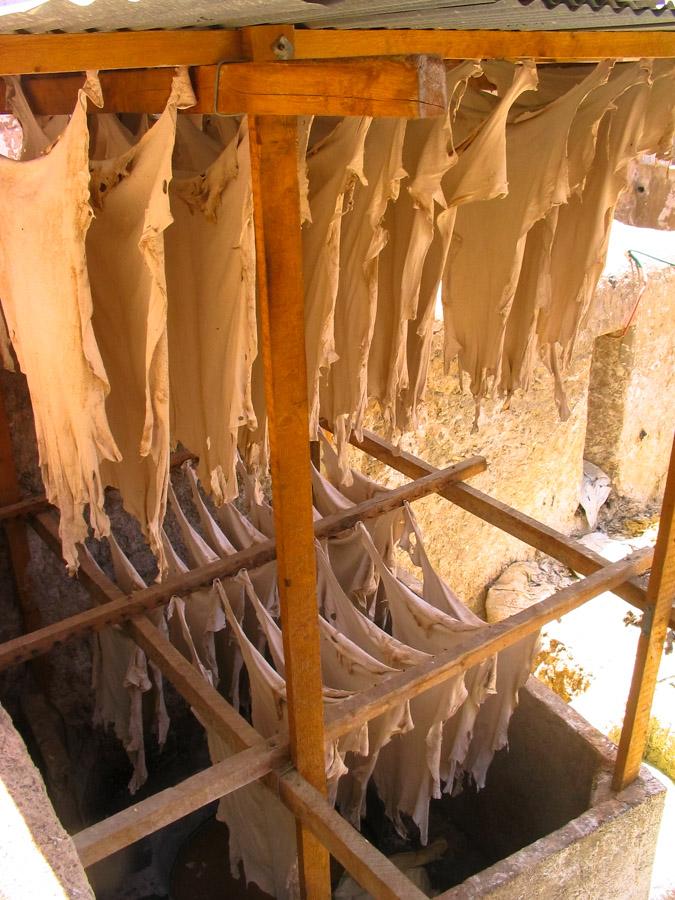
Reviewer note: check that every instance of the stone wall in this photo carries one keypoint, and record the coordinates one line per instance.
(535, 460)
(534, 464)
(631, 414)
(649, 198)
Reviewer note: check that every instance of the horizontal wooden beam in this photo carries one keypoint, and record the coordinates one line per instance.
(566, 550)
(25, 54)
(480, 644)
(130, 825)
(565, 46)
(410, 87)
(34, 644)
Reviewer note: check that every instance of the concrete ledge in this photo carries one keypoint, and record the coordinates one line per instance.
(37, 858)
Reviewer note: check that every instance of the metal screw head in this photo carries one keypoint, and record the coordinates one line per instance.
(282, 48)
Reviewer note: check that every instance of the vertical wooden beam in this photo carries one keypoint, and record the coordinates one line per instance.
(660, 596)
(276, 203)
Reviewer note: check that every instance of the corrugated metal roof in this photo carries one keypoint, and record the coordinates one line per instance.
(111, 15)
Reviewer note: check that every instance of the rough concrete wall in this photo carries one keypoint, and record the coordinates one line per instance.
(534, 464)
(632, 396)
(525, 799)
(559, 765)
(37, 858)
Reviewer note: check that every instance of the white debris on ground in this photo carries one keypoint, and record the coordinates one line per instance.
(595, 489)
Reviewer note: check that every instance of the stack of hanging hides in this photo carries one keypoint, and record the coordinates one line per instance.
(137, 328)
(410, 753)
(150, 325)
(490, 203)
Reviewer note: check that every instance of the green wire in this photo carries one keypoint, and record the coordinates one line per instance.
(637, 262)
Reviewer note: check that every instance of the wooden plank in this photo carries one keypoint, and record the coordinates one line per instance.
(567, 46)
(23, 54)
(565, 549)
(132, 824)
(123, 608)
(373, 871)
(40, 53)
(274, 155)
(411, 87)
(660, 595)
(478, 645)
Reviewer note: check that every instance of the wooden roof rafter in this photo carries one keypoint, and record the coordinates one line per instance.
(53, 53)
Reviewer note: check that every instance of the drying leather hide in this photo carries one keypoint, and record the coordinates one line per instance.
(344, 388)
(47, 305)
(210, 271)
(125, 255)
(334, 165)
(428, 153)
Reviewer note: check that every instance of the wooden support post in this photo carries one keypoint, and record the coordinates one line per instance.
(660, 597)
(276, 206)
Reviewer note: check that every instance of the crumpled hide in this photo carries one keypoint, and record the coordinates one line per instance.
(122, 674)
